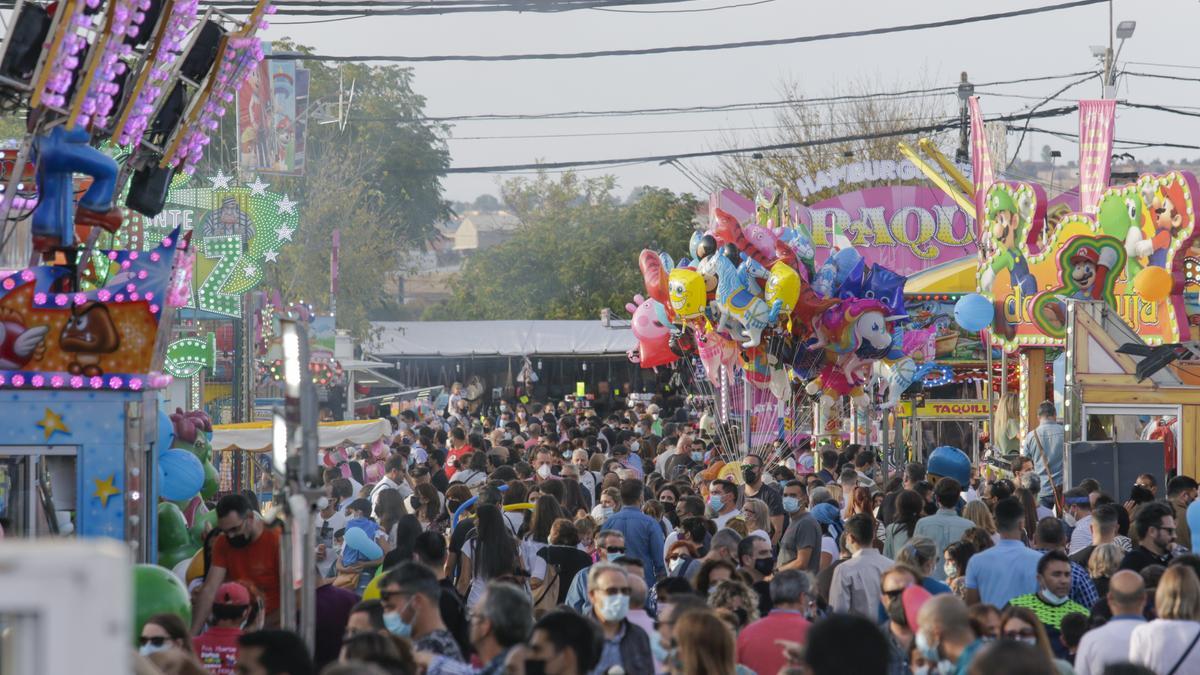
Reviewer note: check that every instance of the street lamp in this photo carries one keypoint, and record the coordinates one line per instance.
(1124, 32)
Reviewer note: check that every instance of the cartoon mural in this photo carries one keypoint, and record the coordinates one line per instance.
(1026, 269)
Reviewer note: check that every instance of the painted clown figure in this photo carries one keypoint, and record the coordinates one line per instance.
(1007, 226)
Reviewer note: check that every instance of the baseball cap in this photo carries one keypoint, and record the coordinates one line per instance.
(232, 593)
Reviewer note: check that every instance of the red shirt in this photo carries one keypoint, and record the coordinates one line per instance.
(217, 650)
(258, 563)
(756, 646)
(457, 454)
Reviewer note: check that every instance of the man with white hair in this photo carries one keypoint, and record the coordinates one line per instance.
(945, 634)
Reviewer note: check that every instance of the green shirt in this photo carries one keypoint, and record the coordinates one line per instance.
(1050, 615)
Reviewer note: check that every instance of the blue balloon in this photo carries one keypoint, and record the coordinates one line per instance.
(180, 475)
(358, 540)
(973, 312)
(166, 433)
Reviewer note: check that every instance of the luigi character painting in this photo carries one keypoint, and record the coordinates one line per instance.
(1008, 227)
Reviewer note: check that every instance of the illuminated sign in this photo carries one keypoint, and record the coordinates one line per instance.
(945, 408)
(1028, 267)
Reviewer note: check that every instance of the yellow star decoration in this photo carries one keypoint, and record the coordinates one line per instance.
(52, 422)
(105, 489)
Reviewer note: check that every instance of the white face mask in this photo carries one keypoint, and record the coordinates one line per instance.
(150, 648)
(613, 608)
(1052, 598)
(544, 471)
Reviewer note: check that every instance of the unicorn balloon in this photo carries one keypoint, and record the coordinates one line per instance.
(742, 310)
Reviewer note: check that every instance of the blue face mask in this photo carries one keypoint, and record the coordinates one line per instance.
(658, 650)
(716, 502)
(791, 504)
(697, 456)
(396, 625)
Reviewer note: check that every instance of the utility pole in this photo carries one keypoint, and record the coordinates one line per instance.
(965, 91)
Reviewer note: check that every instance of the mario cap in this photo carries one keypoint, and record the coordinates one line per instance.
(232, 593)
(1085, 254)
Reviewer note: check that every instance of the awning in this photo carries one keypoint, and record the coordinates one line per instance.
(256, 436)
(407, 339)
(956, 276)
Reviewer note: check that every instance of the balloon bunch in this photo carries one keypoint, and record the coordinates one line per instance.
(749, 297)
(186, 477)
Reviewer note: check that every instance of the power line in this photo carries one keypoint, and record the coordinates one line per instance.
(682, 11)
(726, 107)
(1066, 135)
(912, 131)
(407, 8)
(681, 48)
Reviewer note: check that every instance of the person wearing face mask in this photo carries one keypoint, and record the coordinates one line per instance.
(610, 544)
(245, 549)
(217, 648)
(757, 646)
(902, 600)
(164, 632)
(800, 546)
(625, 645)
(683, 462)
(563, 643)
(1079, 517)
(752, 474)
(410, 593)
(1181, 492)
(722, 499)
(643, 534)
(755, 558)
(1052, 600)
(944, 637)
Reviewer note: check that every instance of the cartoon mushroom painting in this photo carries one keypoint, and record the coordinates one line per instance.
(88, 334)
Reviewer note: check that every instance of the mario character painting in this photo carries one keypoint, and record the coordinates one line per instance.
(1008, 226)
(1166, 214)
(1086, 265)
(89, 334)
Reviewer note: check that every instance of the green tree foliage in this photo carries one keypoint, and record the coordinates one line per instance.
(574, 254)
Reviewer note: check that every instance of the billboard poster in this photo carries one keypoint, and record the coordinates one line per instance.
(257, 144)
(283, 93)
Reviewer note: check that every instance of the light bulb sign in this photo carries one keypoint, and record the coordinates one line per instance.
(187, 356)
(238, 230)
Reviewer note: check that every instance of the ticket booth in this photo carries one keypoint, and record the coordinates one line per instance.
(936, 422)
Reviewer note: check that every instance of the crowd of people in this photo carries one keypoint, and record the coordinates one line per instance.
(549, 540)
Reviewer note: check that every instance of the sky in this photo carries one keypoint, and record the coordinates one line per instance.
(1045, 44)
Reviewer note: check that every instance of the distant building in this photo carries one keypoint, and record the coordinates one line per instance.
(479, 230)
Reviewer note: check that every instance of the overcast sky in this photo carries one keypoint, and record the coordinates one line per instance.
(1044, 44)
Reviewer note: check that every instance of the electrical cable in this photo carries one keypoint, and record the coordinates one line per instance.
(929, 128)
(927, 25)
(682, 11)
(1034, 109)
(726, 107)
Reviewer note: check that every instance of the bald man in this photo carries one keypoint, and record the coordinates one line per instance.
(945, 627)
(1110, 642)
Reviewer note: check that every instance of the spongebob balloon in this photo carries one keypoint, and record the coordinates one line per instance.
(687, 292)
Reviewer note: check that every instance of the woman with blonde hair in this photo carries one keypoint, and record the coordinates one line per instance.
(758, 518)
(920, 555)
(1168, 644)
(703, 644)
(1103, 563)
(977, 512)
(737, 597)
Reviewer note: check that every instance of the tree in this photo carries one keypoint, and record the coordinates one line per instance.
(857, 113)
(486, 202)
(1046, 156)
(574, 254)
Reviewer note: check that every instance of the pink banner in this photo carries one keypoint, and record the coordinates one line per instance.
(981, 156)
(1096, 124)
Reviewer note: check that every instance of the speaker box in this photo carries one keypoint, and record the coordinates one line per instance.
(25, 40)
(148, 190)
(204, 52)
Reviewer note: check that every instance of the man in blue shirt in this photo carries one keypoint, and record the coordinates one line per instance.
(643, 534)
(1007, 569)
(1045, 445)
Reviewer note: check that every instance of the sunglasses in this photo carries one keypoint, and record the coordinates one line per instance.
(894, 594)
(616, 550)
(156, 641)
(1019, 634)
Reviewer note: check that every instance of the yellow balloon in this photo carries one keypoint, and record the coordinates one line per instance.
(783, 284)
(687, 291)
(371, 592)
(195, 569)
(523, 506)
(1153, 284)
(732, 472)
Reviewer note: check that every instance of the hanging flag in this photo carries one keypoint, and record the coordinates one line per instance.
(1096, 123)
(982, 169)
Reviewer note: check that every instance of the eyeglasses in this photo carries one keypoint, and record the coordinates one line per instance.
(615, 590)
(615, 550)
(1020, 634)
(1168, 529)
(156, 641)
(896, 593)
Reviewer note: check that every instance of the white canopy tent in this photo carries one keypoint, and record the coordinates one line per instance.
(431, 339)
